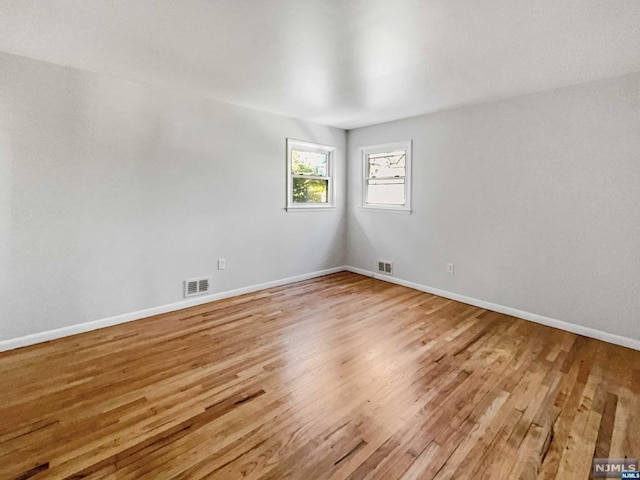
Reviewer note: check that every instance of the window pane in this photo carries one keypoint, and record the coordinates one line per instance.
(307, 190)
(308, 163)
(387, 164)
(385, 192)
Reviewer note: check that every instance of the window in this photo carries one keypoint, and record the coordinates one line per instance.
(310, 175)
(387, 176)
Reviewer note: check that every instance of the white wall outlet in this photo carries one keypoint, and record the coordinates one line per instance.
(451, 268)
(222, 264)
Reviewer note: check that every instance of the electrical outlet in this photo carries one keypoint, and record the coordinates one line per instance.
(451, 268)
(222, 264)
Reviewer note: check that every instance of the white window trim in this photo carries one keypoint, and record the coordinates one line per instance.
(309, 146)
(405, 145)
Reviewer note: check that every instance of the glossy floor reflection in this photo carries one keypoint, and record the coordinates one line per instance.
(342, 377)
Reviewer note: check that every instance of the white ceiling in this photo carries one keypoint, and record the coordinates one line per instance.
(346, 63)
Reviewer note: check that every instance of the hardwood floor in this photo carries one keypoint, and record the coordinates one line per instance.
(342, 377)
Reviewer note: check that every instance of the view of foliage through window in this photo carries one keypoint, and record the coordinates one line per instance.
(313, 165)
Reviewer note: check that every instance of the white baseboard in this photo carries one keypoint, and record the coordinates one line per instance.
(128, 317)
(148, 312)
(532, 317)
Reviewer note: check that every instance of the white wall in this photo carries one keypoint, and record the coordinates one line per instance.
(112, 193)
(535, 199)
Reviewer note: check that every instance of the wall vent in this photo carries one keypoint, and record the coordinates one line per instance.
(197, 286)
(385, 267)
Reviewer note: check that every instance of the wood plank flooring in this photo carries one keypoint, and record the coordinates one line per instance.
(342, 377)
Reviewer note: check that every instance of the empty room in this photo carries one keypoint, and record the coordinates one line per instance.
(319, 239)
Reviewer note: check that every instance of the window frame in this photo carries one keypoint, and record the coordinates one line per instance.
(329, 150)
(405, 145)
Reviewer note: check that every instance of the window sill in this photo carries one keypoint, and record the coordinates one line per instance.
(309, 209)
(385, 210)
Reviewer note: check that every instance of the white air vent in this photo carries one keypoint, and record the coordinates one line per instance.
(197, 286)
(385, 267)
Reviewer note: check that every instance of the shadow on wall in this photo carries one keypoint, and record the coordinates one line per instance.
(356, 235)
(38, 195)
(6, 209)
